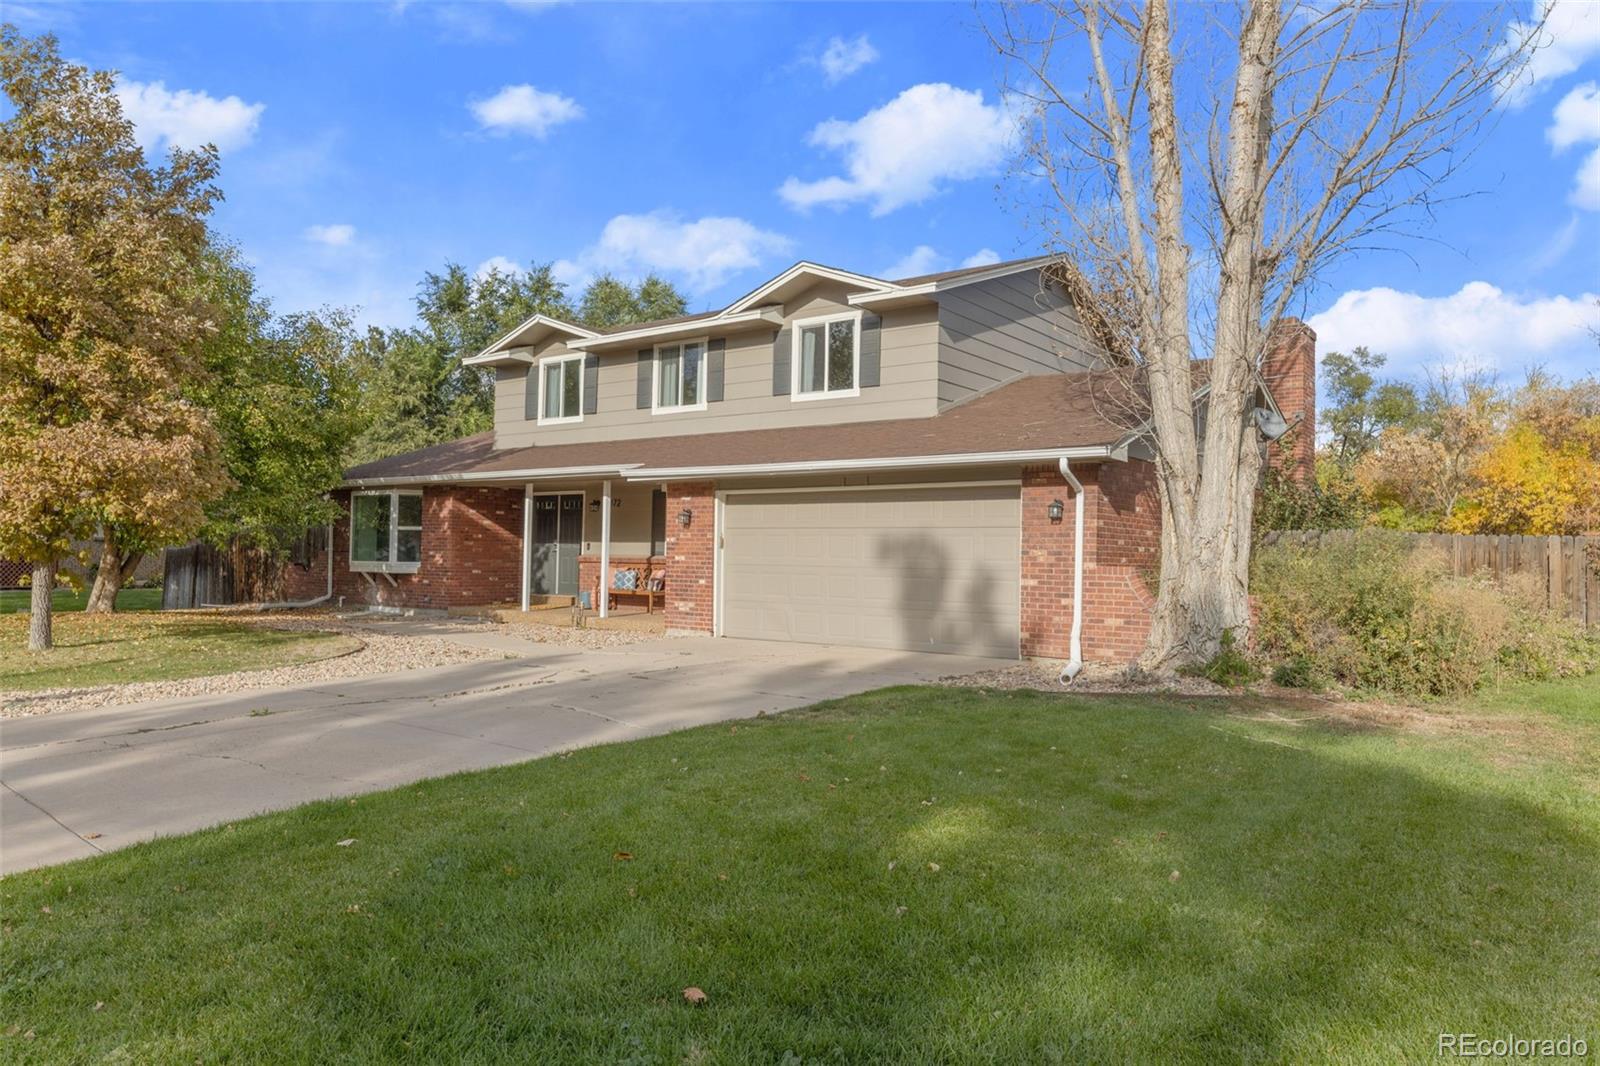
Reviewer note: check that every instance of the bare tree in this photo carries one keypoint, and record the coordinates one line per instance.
(1196, 191)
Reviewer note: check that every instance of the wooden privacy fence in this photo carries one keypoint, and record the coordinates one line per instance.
(196, 575)
(1568, 567)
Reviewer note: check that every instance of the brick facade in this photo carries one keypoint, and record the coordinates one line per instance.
(691, 556)
(471, 554)
(1289, 367)
(1121, 543)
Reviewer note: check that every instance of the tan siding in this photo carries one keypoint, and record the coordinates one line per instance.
(909, 373)
(995, 331)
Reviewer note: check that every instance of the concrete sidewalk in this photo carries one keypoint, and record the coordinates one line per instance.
(81, 782)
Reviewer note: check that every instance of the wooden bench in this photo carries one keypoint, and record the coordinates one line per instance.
(651, 587)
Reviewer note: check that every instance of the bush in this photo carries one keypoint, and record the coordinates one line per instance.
(1371, 611)
(1298, 672)
(1229, 667)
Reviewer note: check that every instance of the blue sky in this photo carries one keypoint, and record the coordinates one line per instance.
(365, 143)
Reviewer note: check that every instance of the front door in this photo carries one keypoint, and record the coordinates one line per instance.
(557, 538)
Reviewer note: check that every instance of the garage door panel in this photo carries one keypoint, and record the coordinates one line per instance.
(920, 569)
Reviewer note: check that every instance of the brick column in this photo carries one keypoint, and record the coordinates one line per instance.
(1047, 561)
(1289, 366)
(691, 556)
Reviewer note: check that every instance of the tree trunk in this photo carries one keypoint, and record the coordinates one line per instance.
(114, 572)
(44, 583)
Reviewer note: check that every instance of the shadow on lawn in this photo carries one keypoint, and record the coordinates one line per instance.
(1333, 900)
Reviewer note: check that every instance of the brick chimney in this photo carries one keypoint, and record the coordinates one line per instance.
(1289, 366)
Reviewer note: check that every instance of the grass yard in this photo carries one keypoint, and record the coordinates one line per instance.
(914, 875)
(14, 601)
(149, 646)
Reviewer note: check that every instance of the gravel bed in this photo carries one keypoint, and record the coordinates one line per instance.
(1095, 678)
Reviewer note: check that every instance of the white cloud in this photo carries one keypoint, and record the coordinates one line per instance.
(920, 260)
(1576, 118)
(982, 257)
(336, 235)
(187, 118)
(843, 58)
(703, 253)
(1479, 326)
(1586, 189)
(524, 109)
(497, 263)
(908, 149)
(1569, 36)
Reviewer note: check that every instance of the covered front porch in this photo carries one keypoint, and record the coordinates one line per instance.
(599, 547)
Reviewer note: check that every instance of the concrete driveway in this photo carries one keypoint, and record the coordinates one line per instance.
(81, 782)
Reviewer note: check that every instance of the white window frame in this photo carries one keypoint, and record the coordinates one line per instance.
(564, 419)
(797, 328)
(392, 565)
(656, 408)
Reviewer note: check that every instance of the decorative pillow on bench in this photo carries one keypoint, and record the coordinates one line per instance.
(625, 581)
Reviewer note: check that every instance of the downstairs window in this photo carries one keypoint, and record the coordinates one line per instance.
(386, 531)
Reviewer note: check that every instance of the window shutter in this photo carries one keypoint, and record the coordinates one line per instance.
(647, 358)
(591, 383)
(715, 352)
(530, 407)
(781, 352)
(871, 349)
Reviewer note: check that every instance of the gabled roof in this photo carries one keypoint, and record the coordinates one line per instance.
(753, 306)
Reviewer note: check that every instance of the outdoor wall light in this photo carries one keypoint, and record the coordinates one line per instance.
(685, 516)
(594, 505)
(1057, 510)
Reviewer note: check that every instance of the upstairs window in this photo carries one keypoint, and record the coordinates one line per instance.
(386, 531)
(827, 357)
(561, 389)
(680, 373)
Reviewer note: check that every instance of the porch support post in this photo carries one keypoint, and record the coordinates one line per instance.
(605, 547)
(527, 543)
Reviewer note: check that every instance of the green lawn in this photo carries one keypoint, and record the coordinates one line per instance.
(914, 875)
(14, 601)
(149, 646)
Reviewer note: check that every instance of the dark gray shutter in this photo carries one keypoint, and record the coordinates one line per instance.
(716, 350)
(780, 363)
(591, 383)
(647, 358)
(871, 349)
(530, 409)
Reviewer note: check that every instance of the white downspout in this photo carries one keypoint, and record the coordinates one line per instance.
(1075, 643)
(324, 598)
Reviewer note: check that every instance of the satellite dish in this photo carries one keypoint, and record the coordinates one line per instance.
(1271, 425)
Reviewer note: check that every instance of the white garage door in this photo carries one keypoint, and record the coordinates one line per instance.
(929, 569)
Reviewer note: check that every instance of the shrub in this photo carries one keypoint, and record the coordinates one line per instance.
(1229, 667)
(1370, 610)
(1298, 672)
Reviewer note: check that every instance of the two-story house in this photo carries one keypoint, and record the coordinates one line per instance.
(832, 458)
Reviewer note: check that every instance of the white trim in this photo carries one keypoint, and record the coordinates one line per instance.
(583, 510)
(986, 483)
(671, 329)
(655, 375)
(391, 565)
(797, 328)
(546, 474)
(511, 356)
(931, 288)
(718, 504)
(1097, 451)
(527, 545)
(561, 420)
(498, 346)
(803, 267)
(604, 591)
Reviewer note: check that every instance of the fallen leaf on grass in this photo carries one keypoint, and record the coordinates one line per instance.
(694, 995)
(622, 856)
(934, 867)
(346, 842)
(1173, 876)
(99, 1004)
(805, 776)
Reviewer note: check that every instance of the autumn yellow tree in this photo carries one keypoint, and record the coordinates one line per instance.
(100, 321)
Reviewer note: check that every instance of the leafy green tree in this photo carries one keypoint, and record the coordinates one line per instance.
(101, 326)
(609, 302)
(1359, 407)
